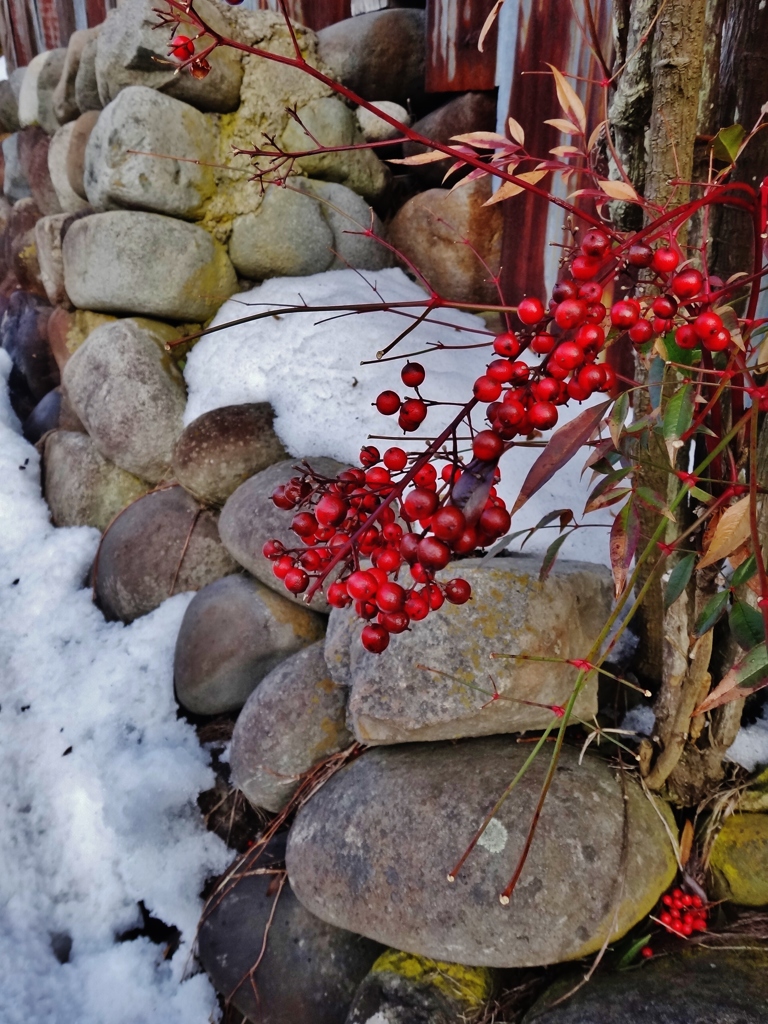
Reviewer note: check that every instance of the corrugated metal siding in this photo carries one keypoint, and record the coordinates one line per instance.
(27, 27)
(454, 63)
(315, 14)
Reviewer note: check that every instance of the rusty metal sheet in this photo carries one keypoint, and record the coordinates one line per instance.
(533, 33)
(454, 63)
(49, 23)
(315, 14)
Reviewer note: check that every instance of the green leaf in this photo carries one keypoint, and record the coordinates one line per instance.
(711, 612)
(727, 142)
(551, 554)
(618, 416)
(754, 669)
(746, 625)
(700, 495)
(633, 951)
(655, 380)
(678, 579)
(675, 354)
(678, 415)
(745, 572)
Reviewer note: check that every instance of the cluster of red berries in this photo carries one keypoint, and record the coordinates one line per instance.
(684, 913)
(183, 49)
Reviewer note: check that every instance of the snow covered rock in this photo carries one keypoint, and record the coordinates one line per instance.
(309, 970)
(329, 122)
(162, 544)
(65, 106)
(129, 395)
(58, 157)
(83, 488)
(106, 266)
(36, 94)
(222, 448)
(124, 158)
(292, 720)
(429, 228)
(234, 633)
(249, 519)
(380, 56)
(405, 698)
(370, 851)
(131, 50)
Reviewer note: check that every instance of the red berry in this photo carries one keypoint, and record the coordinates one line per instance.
(388, 403)
(362, 585)
(570, 313)
(412, 374)
(640, 255)
(595, 243)
(281, 499)
(664, 306)
(665, 260)
(500, 370)
(707, 324)
(686, 284)
(591, 291)
(577, 392)
(467, 541)
(182, 47)
(666, 919)
(543, 344)
(487, 445)
(495, 521)
(610, 378)
(375, 638)
(395, 622)
(273, 549)
(686, 337)
(717, 342)
(395, 459)
(584, 268)
(486, 390)
(590, 336)
(624, 314)
(458, 591)
(506, 345)
(296, 580)
(641, 332)
(304, 524)
(433, 553)
(282, 566)
(569, 355)
(434, 596)
(546, 390)
(387, 559)
(390, 597)
(448, 523)
(530, 311)
(543, 415)
(331, 510)
(416, 607)
(646, 952)
(596, 313)
(337, 595)
(564, 290)
(419, 504)
(591, 378)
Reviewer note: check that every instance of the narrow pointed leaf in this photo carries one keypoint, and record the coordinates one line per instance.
(619, 190)
(655, 380)
(746, 625)
(711, 612)
(633, 951)
(618, 417)
(727, 143)
(678, 415)
(516, 131)
(568, 98)
(678, 579)
(748, 677)
(745, 572)
(625, 534)
(488, 24)
(561, 448)
(550, 556)
(732, 530)
(511, 188)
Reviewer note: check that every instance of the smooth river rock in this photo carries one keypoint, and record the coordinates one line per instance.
(130, 396)
(234, 632)
(222, 448)
(162, 544)
(292, 720)
(370, 851)
(434, 679)
(249, 519)
(309, 971)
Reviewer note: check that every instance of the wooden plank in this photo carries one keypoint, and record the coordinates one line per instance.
(454, 63)
(533, 227)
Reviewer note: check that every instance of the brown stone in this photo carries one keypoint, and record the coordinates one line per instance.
(81, 132)
(470, 112)
(33, 157)
(68, 330)
(429, 229)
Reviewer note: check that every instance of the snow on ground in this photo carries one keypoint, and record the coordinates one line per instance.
(750, 748)
(308, 366)
(98, 782)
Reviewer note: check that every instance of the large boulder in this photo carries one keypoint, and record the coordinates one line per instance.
(739, 860)
(129, 395)
(106, 266)
(76, 150)
(434, 683)
(428, 230)
(250, 518)
(83, 488)
(162, 544)
(49, 235)
(65, 106)
(307, 971)
(695, 986)
(86, 83)
(469, 112)
(380, 56)
(68, 329)
(403, 988)
(233, 634)
(292, 720)
(69, 200)
(37, 87)
(131, 50)
(328, 122)
(348, 216)
(222, 448)
(371, 849)
(127, 160)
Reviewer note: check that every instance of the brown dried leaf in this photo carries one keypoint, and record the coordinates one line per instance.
(488, 24)
(511, 188)
(731, 532)
(569, 101)
(686, 842)
(516, 131)
(563, 126)
(421, 158)
(619, 190)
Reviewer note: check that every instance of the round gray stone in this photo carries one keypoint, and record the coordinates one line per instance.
(129, 395)
(86, 84)
(292, 720)
(348, 215)
(370, 851)
(162, 544)
(222, 448)
(233, 634)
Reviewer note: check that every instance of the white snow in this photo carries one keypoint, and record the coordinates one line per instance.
(308, 365)
(640, 719)
(750, 748)
(85, 836)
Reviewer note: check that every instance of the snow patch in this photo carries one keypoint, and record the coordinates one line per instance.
(98, 782)
(308, 366)
(750, 748)
(640, 719)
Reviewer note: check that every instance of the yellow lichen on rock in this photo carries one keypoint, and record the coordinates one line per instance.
(470, 986)
(739, 860)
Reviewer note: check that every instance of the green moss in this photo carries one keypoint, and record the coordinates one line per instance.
(739, 860)
(470, 986)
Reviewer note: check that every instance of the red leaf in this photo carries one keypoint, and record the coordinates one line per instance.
(625, 534)
(562, 446)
